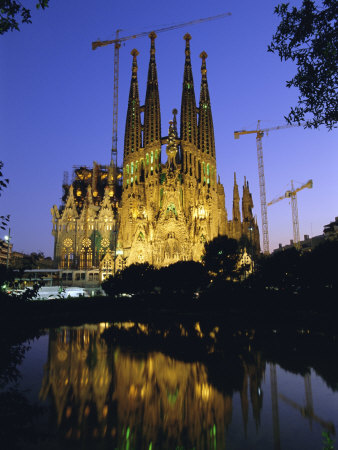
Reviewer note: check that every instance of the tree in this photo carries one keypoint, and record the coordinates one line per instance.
(281, 270)
(182, 277)
(308, 36)
(221, 257)
(134, 279)
(322, 266)
(13, 12)
(3, 184)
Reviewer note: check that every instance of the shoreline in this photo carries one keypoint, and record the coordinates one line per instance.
(272, 311)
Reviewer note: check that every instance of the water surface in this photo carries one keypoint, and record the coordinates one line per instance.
(135, 386)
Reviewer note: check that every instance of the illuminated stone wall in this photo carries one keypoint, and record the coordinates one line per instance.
(165, 212)
(84, 225)
(170, 210)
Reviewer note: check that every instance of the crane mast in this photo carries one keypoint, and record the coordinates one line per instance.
(295, 221)
(262, 192)
(264, 213)
(292, 195)
(117, 44)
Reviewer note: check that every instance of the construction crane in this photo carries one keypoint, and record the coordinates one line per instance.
(292, 195)
(117, 44)
(259, 134)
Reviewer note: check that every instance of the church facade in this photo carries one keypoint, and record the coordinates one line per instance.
(151, 211)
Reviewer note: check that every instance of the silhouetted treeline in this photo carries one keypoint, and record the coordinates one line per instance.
(296, 271)
(224, 271)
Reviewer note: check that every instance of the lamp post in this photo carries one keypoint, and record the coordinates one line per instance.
(8, 240)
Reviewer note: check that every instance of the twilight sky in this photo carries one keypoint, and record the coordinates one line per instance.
(57, 97)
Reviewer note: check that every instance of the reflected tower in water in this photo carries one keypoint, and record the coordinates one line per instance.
(133, 400)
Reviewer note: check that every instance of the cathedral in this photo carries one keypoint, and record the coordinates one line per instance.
(152, 211)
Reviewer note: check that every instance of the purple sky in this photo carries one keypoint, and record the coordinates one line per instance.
(57, 97)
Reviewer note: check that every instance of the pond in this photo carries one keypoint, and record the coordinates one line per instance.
(132, 386)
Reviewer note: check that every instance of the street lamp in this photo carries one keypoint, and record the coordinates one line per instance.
(8, 240)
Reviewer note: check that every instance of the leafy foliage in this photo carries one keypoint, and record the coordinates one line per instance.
(13, 12)
(185, 277)
(8, 287)
(221, 257)
(320, 267)
(291, 270)
(309, 36)
(3, 184)
(327, 441)
(134, 279)
(281, 269)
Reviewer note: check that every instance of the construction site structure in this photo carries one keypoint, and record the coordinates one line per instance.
(292, 195)
(117, 44)
(264, 213)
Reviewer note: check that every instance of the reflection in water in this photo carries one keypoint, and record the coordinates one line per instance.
(274, 404)
(307, 410)
(141, 401)
(122, 399)
(78, 376)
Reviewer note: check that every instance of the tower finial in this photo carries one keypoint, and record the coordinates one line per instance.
(235, 182)
(152, 36)
(134, 54)
(204, 56)
(187, 39)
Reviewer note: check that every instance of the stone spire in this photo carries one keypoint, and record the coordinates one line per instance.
(247, 203)
(171, 149)
(188, 105)
(132, 137)
(174, 111)
(206, 138)
(236, 215)
(152, 113)
(236, 225)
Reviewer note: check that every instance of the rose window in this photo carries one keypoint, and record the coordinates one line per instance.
(68, 243)
(86, 242)
(105, 243)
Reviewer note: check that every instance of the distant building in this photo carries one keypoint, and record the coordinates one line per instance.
(5, 252)
(34, 260)
(308, 244)
(17, 258)
(331, 230)
(88, 279)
